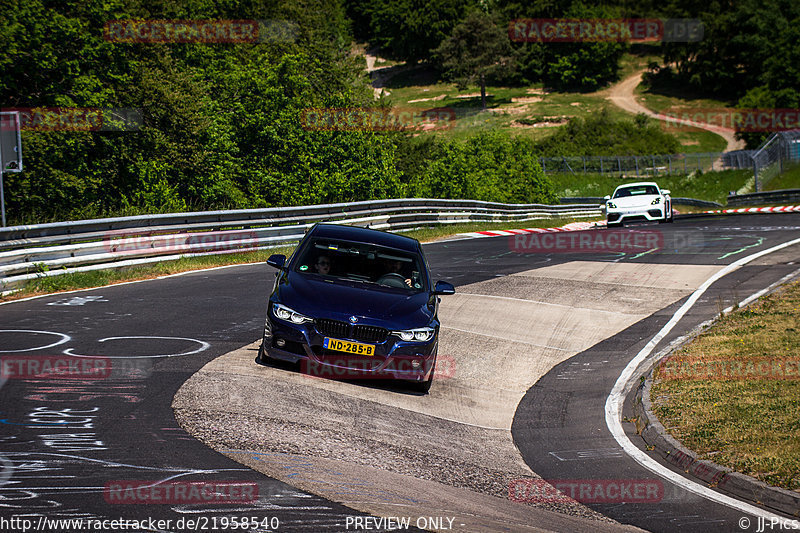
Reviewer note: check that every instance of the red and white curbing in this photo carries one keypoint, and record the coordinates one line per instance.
(582, 226)
(572, 226)
(779, 209)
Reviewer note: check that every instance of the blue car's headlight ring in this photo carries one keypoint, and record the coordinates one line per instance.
(415, 335)
(288, 314)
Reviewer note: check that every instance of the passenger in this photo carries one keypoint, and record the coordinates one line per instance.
(323, 265)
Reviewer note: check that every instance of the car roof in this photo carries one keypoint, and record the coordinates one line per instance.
(638, 183)
(365, 235)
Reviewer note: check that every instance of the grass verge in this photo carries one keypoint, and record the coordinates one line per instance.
(790, 179)
(746, 419)
(100, 278)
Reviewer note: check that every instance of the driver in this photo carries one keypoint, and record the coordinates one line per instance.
(396, 267)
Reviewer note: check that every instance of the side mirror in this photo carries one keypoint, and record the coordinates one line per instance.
(665, 191)
(443, 287)
(277, 260)
(607, 197)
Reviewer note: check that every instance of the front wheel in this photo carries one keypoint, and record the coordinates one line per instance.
(262, 358)
(425, 386)
(668, 216)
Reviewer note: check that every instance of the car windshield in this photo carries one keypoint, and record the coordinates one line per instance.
(362, 263)
(636, 190)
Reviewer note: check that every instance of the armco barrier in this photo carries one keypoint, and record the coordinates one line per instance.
(675, 201)
(784, 196)
(28, 252)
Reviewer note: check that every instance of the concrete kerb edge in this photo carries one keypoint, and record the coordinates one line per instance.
(717, 476)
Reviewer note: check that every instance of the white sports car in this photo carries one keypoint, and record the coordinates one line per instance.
(638, 201)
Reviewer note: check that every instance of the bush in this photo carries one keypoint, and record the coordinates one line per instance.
(489, 166)
(601, 135)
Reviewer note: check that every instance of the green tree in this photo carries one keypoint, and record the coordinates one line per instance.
(409, 30)
(583, 66)
(475, 50)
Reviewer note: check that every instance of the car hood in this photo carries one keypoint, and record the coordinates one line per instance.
(373, 305)
(635, 201)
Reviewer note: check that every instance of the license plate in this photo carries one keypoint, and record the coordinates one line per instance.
(348, 346)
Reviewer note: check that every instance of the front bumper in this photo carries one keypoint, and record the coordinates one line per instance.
(649, 213)
(393, 358)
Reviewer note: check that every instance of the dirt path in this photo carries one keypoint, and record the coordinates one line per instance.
(622, 95)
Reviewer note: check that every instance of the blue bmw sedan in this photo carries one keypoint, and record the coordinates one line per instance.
(355, 303)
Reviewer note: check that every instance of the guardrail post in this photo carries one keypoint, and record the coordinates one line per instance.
(2, 198)
(755, 172)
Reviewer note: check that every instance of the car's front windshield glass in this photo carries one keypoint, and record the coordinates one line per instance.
(637, 190)
(362, 263)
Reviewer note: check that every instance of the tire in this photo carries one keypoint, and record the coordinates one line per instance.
(262, 358)
(425, 386)
(668, 218)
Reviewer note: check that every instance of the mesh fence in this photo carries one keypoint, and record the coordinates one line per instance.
(771, 158)
(766, 162)
(644, 165)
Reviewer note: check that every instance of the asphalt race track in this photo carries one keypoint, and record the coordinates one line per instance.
(531, 346)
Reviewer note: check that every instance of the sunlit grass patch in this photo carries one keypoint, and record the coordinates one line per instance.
(750, 424)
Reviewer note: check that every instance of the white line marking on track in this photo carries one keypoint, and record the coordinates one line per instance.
(64, 338)
(616, 398)
(203, 346)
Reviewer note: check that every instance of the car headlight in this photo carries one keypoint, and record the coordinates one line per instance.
(611, 205)
(289, 315)
(656, 201)
(418, 334)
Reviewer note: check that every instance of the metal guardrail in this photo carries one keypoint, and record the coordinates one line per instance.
(784, 196)
(675, 201)
(41, 250)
